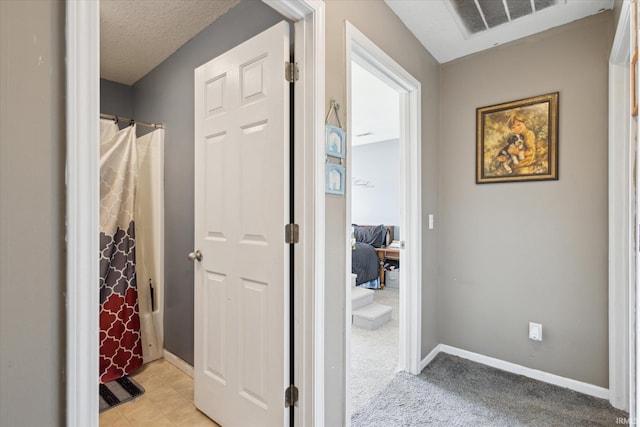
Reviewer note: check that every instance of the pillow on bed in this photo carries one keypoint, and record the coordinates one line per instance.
(375, 236)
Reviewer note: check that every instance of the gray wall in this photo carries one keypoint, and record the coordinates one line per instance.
(165, 95)
(534, 251)
(379, 163)
(378, 22)
(116, 99)
(566, 220)
(32, 203)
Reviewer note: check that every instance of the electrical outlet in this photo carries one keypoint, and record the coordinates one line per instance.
(535, 331)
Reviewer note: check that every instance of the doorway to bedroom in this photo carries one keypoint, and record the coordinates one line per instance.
(375, 219)
(384, 223)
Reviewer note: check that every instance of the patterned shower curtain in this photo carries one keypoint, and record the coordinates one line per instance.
(120, 341)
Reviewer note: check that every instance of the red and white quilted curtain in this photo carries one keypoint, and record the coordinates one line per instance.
(120, 337)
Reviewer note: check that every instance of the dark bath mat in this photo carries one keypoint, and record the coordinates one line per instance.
(118, 391)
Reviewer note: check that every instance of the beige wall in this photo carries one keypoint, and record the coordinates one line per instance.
(512, 253)
(32, 204)
(384, 28)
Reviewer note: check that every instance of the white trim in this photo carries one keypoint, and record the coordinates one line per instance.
(621, 49)
(366, 53)
(309, 206)
(177, 362)
(83, 91)
(579, 386)
(621, 213)
(363, 51)
(295, 10)
(82, 29)
(432, 355)
(348, 316)
(634, 259)
(413, 221)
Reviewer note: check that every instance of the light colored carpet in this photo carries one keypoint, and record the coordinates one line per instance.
(374, 354)
(452, 391)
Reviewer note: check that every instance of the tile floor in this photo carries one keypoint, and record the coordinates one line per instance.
(167, 401)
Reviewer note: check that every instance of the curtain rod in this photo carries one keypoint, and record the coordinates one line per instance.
(130, 121)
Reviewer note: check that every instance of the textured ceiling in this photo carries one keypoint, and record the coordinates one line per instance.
(137, 35)
(451, 29)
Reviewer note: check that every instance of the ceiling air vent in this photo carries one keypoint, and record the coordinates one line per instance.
(480, 15)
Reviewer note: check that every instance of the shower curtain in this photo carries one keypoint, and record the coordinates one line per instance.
(120, 343)
(131, 249)
(149, 214)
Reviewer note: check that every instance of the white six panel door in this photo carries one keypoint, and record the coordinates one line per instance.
(241, 365)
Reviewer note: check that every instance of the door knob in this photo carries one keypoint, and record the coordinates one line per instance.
(195, 256)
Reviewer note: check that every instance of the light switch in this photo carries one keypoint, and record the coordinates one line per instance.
(430, 221)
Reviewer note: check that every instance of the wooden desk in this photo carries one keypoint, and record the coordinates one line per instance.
(383, 255)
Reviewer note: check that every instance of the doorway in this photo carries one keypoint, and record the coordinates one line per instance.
(366, 55)
(623, 208)
(375, 201)
(82, 207)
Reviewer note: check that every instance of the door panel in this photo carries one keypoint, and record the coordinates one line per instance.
(216, 327)
(241, 361)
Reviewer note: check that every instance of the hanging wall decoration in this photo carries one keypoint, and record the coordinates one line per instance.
(518, 140)
(334, 149)
(334, 178)
(334, 141)
(334, 135)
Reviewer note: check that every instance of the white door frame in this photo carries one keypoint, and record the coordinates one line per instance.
(82, 177)
(622, 260)
(363, 51)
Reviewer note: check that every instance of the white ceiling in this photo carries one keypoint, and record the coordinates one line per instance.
(375, 108)
(440, 30)
(137, 35)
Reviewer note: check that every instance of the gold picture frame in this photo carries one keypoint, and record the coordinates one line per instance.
(518, 140)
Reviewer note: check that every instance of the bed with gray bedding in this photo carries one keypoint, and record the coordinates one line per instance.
(364, 259)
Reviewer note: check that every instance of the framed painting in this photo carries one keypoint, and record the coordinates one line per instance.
(334, 142)
(518, 140)
(334, 178)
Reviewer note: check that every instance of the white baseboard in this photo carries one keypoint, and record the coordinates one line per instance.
(178, 363)
(424, 362)
(579, 386)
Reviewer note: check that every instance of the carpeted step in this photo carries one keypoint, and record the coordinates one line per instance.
(361, 297)
(372, 316)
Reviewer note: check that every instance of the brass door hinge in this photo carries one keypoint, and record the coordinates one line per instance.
(291, 233)
(291, 71)
(291, 396)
